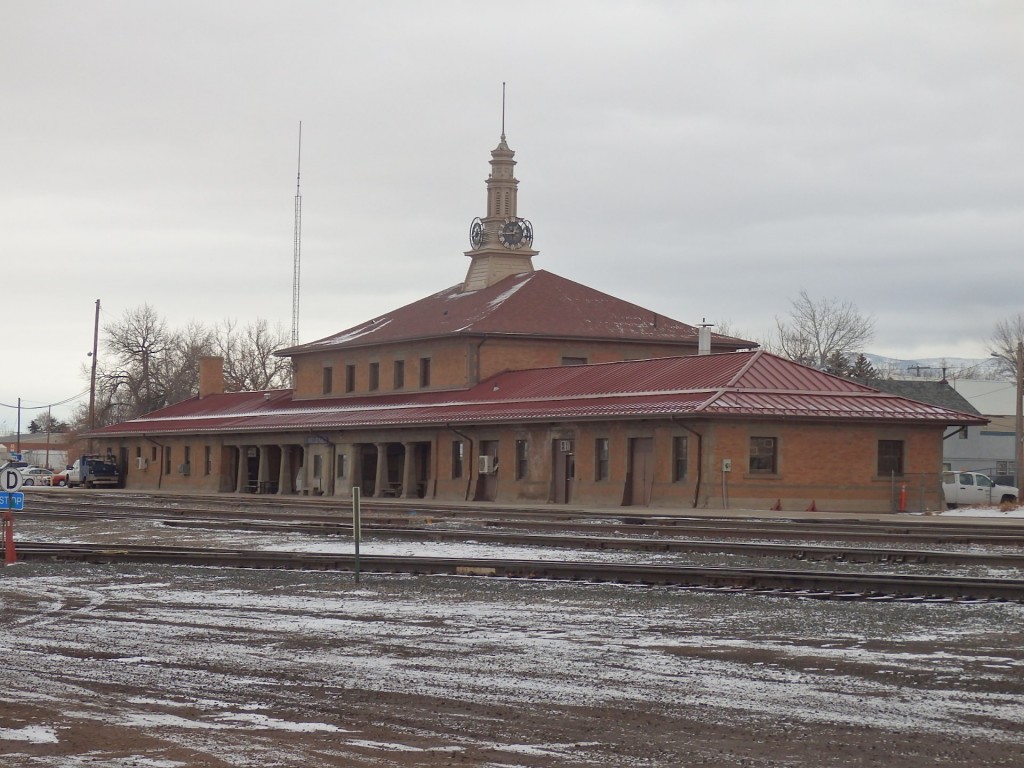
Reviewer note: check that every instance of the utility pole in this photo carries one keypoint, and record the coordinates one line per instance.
(92, 380)
(297, 251)
(1018, 455)
(49, 428)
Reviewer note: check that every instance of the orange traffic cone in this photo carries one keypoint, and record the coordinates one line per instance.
(777, 506)
(10, 555)
(812, 508)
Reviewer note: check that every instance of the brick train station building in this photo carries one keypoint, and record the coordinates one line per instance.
(520, 386)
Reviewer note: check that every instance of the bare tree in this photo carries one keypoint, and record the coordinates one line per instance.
(145, 365)
(179, 367)
(127, 386)
(1005, 341)
(815, 331)
(249, 362)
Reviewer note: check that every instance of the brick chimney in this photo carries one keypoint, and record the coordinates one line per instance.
(211, 376)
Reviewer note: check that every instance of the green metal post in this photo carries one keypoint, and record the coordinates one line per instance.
(355, 527)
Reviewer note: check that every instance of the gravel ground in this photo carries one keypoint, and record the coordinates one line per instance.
(160, 667)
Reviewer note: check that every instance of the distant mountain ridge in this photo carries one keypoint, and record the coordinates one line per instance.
(933, 367)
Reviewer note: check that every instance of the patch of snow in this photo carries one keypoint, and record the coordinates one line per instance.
(272, 723)
(33, 734)
(1017, 512)
(501, 298)
(356, 333)
(154, 720)
(392, 747)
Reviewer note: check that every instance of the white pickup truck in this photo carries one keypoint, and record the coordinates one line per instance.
(967, 488)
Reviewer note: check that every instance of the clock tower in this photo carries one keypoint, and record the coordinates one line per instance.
(502, 243)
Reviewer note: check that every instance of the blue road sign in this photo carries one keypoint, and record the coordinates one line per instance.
(15, 501)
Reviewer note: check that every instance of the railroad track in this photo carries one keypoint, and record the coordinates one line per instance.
(812, 553)
(386, 515)
(590, 540)
(847, 586)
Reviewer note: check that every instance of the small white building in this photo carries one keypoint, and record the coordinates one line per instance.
(988, 449)
(40, 450)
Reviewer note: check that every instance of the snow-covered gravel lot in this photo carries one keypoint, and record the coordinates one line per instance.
(162, 667)
(168, 667)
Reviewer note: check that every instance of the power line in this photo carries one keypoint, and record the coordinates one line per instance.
(49, 405)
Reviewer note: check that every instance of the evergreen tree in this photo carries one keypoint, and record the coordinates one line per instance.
(863, 371)
(837, 364)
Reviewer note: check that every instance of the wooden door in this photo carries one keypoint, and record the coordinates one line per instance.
(641, 472)
(563, 474)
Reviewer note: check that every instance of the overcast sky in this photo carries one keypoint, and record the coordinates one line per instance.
(703, 159)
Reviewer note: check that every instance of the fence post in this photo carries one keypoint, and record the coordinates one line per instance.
(356, 533)
(10, 555)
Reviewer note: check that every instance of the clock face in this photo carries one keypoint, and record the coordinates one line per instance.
(476, 233)
(513, 233)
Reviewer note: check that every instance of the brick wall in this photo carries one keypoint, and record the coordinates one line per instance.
(461, 362)
(833, 466)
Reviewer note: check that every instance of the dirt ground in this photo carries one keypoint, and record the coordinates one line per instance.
(163, 667)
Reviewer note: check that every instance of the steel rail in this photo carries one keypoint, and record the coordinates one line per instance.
(810, 530)
(812, 553)
(783, 582)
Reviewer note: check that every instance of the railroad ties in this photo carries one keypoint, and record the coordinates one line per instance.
(790, 583)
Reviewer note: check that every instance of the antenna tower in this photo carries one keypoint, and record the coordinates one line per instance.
(298, 245)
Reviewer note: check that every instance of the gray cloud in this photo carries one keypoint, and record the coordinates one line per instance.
(706, 159)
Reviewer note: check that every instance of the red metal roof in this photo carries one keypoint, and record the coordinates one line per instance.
(738, 384)
(532, 304)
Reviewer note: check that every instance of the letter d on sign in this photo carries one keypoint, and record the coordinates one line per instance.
(10, 480)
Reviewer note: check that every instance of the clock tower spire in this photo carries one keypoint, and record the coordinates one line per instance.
(502, 242)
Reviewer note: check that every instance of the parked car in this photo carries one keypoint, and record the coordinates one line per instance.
(60, 479)
(35, 476)
(969, 488)
(13, 464)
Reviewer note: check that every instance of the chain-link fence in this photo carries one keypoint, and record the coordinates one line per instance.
(917, 492)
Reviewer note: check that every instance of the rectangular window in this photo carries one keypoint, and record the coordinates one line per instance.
(342, 469)
(890, 458)
(424, 371)
(318, 466)
(680, 457)
(764, 455)
(399, 374)
(138, 452)
(350, 378)
(601, 458)
(328, 379)
(458, 458)
(963, 433)
(522, 463)
(574, 361)
(187, 466)
(167, 460)
(374, 376)
(207, 460)
(154, 453)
